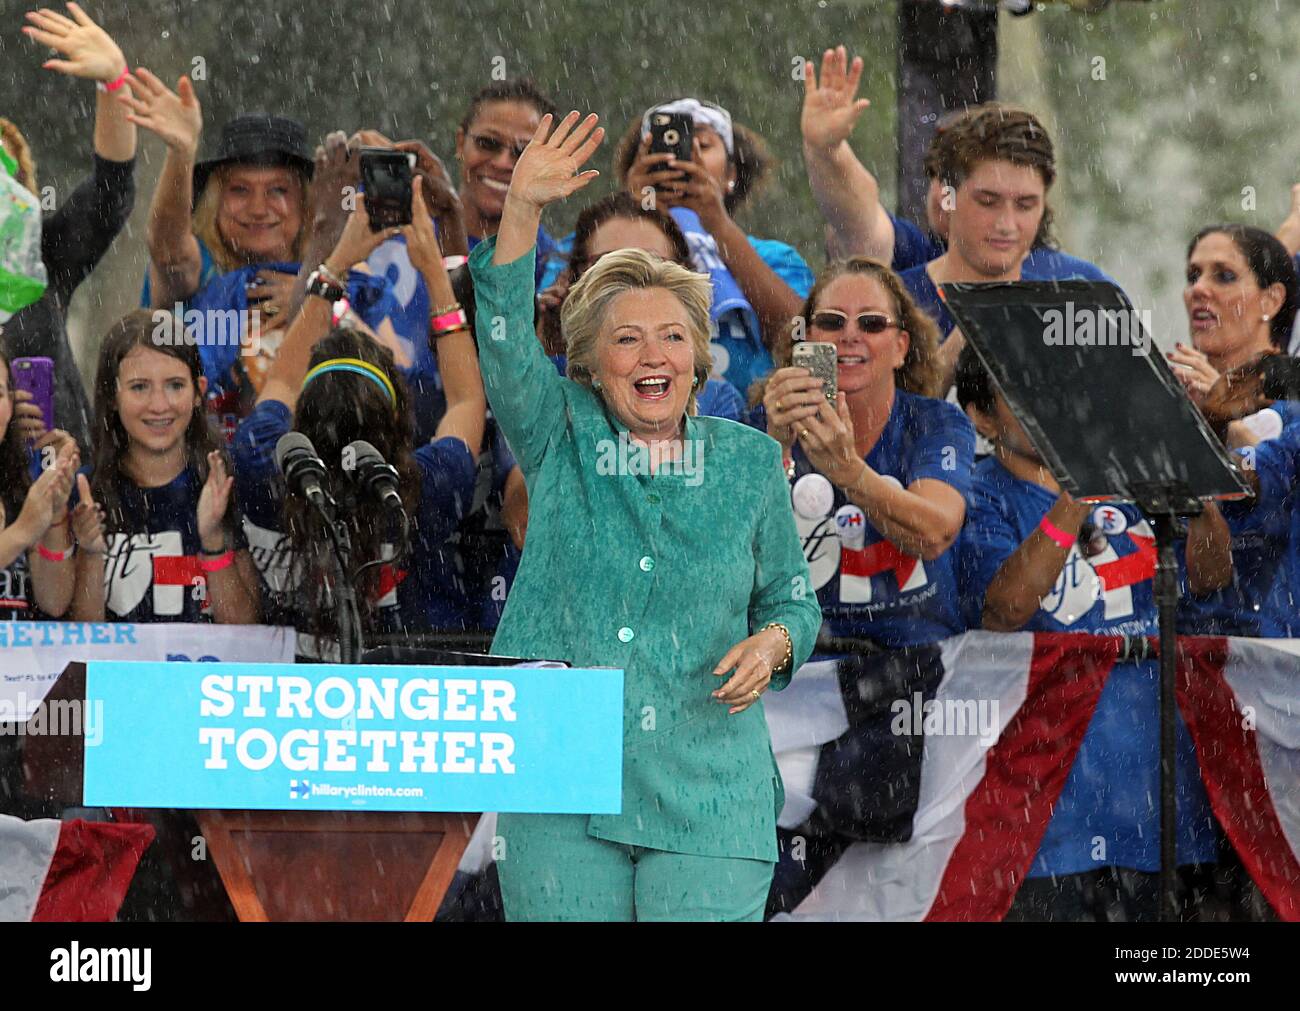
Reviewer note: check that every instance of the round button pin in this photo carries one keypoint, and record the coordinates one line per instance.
(625, 634)
(647, 564)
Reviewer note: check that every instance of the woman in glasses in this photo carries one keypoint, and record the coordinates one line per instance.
(880, 475)
(498, 125)
(758, 284)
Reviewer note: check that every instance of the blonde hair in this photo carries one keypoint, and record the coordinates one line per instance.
(627, 270)
(919, 372)
(16, 144)
(205, 220)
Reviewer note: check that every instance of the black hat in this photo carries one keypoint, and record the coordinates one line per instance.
(257, 139)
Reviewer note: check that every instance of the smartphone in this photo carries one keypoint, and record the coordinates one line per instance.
(821, 358)
(386, 178)
(672, 133)
(36, 376)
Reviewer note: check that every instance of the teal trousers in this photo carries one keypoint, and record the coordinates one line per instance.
(551, 869)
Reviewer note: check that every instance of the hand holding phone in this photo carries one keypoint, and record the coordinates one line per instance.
(672, 133)
(386, 176)
(33, 383)
(821, 358)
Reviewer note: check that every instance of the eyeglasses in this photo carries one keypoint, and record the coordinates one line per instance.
(833, 321)
(493, 146)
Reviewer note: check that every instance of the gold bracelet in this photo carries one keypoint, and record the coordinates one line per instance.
(787, 661)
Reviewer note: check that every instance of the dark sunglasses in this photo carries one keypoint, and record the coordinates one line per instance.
(868, 322)
(494, 146)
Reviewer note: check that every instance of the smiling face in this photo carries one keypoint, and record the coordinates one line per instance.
(645, 361)
(487, 154)
(867, 361)
(260, 212)
(1225, 304)
(995, 216)
(156, 400)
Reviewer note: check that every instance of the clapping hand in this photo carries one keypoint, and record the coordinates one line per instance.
(214, 500)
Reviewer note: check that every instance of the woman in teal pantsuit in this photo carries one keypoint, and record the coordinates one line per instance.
(658, 542)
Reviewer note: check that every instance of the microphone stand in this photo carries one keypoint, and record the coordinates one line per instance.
(347, 617)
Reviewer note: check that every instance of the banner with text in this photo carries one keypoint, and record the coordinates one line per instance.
(344, 738)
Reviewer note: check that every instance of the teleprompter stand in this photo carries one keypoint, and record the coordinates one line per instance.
(1106, 414)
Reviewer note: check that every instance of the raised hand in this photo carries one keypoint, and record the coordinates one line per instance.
(792, 396)
(88, 521)
(46, 500)
(87, 50)
(214, 500)
(828, 441)
(548, 170)
(175, 116)
(421, 241)
(831, 109)
(1196, 374)
(357, 241)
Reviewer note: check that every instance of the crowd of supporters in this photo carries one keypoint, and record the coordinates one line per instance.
(923, 507)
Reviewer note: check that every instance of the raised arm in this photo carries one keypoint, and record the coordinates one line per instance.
(847, 194)
(1030, 573)
(521, 383)
(1288, 233)
(175, 262)
(88, 52)
(457, 360)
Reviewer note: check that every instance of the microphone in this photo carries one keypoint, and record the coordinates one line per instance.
(303, 470)
(373, 472)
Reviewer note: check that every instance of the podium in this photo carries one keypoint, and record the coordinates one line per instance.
(330, 792)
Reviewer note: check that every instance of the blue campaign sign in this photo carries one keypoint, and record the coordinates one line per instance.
(224, 736)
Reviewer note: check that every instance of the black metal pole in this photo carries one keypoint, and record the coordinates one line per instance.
(947, 60)
(1166, 594)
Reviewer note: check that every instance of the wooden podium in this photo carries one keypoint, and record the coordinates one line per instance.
(274, 865)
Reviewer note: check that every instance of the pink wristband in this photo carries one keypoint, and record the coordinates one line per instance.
(449, 321)
(218, 563)
(56, 556)
(1059, 536)
(115, 85)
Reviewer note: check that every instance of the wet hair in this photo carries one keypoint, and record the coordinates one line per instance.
(16, 144)
(974, 383)
(15, 477)
(109, 440)
(334, 410)
(625, 270)
(518, 89)
(621, 206)
(753, 162)
(618, 206)
(919, 372)
(207, 205)
(1271, 264)
(993, 132)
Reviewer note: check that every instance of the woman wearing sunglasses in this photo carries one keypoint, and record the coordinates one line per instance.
(880, 476)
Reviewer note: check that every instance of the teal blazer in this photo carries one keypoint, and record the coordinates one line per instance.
(656, 574)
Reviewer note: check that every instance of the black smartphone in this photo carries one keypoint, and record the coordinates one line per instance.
(672, 133)
(386, 178)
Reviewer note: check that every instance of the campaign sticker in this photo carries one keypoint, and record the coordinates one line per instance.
(813, 496)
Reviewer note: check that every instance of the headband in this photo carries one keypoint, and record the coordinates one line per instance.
(702, 113)
(357, 367)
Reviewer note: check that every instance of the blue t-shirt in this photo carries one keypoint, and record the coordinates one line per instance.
(1262, 601)
(1041, 265)
(411, 596)
(739, 355)
(866, 585)
(151, 571)
(1277, 464)
(914, 247)
(1108, 812)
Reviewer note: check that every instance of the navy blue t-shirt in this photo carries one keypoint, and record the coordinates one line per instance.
(151, 572)
(409, 595)
(1041, 265)
(866, 585)
(914, 247)
(1108, 810)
